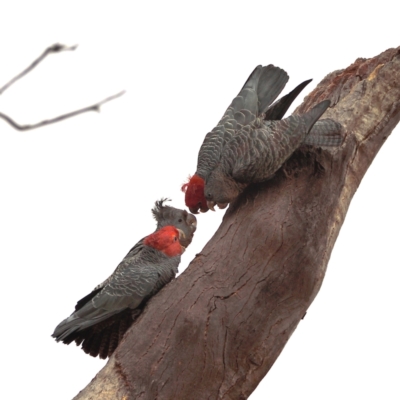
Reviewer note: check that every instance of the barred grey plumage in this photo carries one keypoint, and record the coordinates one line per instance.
(251, 142)
(255, 153)
(260, 90)
(325, 132)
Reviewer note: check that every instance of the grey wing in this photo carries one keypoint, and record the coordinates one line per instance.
(260, 90)
(136, 249)
(126, 288)
(257, 153)
(277, 110)
(129, 288)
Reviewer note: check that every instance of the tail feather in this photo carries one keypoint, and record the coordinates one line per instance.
(123, 327)
(102, 339)
(104, 343)
(277, 110)
(87, 344)
(72, 337)
(325, 132)
(78, 340)
(97, 343)
(313, 115)
(114, 338)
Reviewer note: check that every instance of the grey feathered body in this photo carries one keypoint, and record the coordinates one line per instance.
(258, 150)
(251, 142)
(101, 318)
(140, 275)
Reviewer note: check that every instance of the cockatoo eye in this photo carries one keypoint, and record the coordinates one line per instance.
(180, 220)
(175, 238)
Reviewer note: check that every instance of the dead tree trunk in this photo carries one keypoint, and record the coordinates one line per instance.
(216, 331)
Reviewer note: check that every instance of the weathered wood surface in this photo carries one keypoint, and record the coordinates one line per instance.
(216, 331)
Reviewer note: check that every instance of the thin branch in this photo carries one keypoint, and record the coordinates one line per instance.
(94, 107)
(55, 48)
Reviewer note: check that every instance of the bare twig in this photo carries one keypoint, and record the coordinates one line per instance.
(55, 48)
(94, 107)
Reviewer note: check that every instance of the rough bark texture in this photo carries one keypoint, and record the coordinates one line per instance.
(216, 331)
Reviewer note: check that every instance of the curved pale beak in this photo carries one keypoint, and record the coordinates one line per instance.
(182, 236)
(192, 221)
(211, 204)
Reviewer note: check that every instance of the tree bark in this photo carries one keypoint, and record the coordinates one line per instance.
(216, 331)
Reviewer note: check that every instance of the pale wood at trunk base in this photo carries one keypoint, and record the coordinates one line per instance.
(216, 331)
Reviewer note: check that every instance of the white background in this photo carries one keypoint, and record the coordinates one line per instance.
(77, 195)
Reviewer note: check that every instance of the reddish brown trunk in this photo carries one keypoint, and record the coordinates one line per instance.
(216, 331)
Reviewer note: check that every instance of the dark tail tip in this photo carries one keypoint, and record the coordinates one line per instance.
(277, 110)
